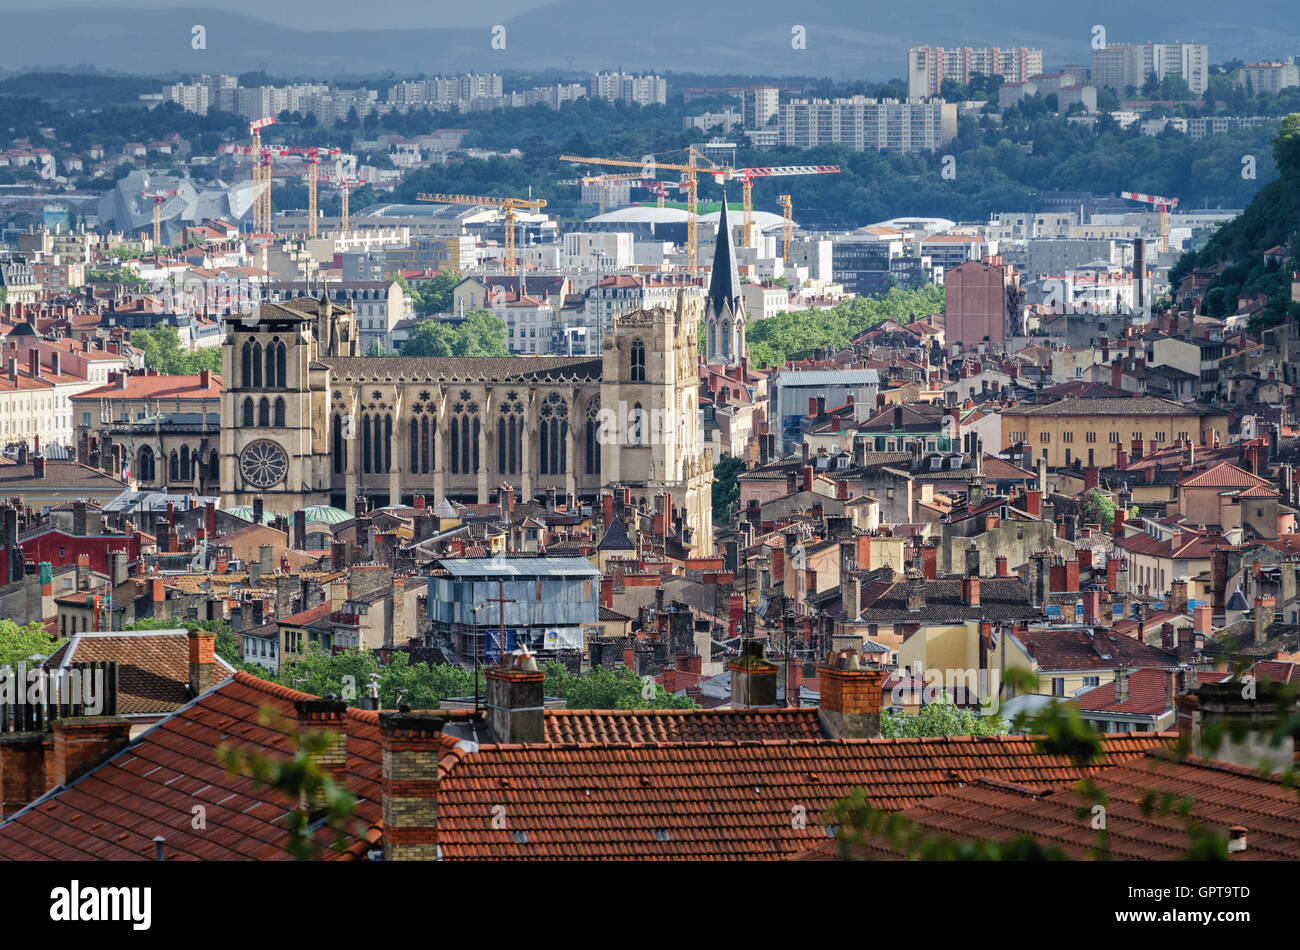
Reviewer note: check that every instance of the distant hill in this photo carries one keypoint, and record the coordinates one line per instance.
(845, 38)
(1271, 219)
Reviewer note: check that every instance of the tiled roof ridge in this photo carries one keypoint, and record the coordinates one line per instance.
(273, 689)
(1215, 765)
(717, 711)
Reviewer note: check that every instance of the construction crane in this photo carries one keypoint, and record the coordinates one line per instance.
(159, 195)
(690, 182)
(343, 184)
(604, 181)
(1162, 205)
(747, 176)
(787, 227)
(507, 205)
(255, 131)
(313, 153)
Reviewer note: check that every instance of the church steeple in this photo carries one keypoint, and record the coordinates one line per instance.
(724, 306)
(724, 281)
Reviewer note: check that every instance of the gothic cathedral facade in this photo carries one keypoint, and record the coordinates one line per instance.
(307, 421)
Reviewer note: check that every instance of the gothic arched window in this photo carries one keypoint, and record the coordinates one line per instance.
(593, 436)
(340, 447)
(144, 469)
(248, 412)
(510, 430)
(264, 412)
(246, 363)
(279, 411)
(257, 365)
(465, 428)
(553, 434)
(638, 362)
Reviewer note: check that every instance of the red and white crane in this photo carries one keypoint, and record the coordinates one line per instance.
(1162, 205)
(747, 176)
(159, 195)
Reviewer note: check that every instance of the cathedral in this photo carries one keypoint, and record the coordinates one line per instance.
(305, 420)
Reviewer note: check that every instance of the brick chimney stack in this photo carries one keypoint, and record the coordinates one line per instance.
(515, 699)
(753, 677)
(203, 667)
(82, 742)
(411, 744)
(850, 697)
(328, 717)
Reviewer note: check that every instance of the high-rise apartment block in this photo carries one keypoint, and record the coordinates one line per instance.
(760, 104)
(645, 90)
(1124, 65)
(882, 124)
(929, 66)
(1270, 77)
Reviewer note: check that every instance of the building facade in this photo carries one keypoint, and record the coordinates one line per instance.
(306, 420)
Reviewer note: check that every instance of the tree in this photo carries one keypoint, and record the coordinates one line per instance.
(943, 718)
(603, 688)
(436, 294)
(161, 347)
(1099, 508)
(22, 643)
(726, 487)
(479, 334)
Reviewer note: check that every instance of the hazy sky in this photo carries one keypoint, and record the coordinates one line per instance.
(327, 14)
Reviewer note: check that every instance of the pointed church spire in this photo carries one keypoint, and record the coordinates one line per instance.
(724, 281)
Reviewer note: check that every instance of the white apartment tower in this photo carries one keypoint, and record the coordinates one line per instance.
(929, 66)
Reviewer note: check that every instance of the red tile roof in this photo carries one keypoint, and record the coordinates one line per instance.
(113, 812)
(1224, 475)
(1223, 796)
(607, 726)
(717, 800)
(153, 666)
(157, 387)
(1150, 693)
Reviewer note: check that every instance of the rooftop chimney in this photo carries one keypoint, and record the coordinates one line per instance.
(328, 717)
(515, 699)
(203, 667)
(82, 742)
(411, 744)
(753, 677)
(850, 697)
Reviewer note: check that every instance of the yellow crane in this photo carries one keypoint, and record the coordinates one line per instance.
(159, 195)
(343, 184)
(690, 182)
(787, 228)
(507, 205)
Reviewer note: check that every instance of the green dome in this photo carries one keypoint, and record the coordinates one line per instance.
(326, 514)
(246, 513)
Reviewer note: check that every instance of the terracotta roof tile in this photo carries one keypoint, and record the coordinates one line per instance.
(1223, 796)
(607, 726)
(151, 786)
(718, 800)
(153, 672)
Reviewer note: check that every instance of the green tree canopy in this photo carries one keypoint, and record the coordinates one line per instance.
(22, 642)
(162, 350)
(943, 718)
(479, 334)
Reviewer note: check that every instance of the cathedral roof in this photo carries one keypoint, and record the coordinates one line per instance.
(468, 369)
(724, 281)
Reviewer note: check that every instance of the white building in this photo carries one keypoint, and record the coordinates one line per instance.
(929, 66)
(863, 124)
